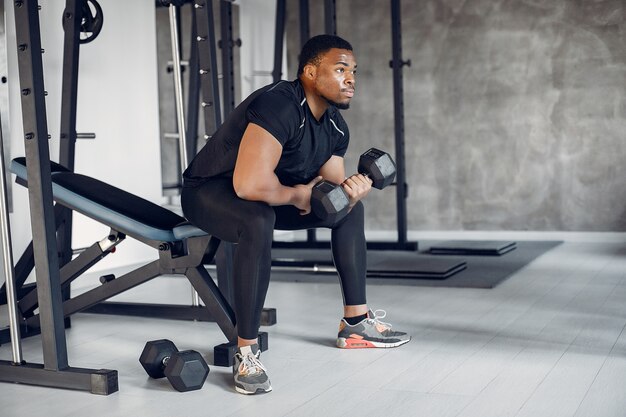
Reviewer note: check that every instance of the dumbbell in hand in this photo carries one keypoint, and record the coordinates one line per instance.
(329, 201)
(378, 166)
(185, 370)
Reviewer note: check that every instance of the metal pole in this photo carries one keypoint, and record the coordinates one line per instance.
(180, 108)
(7, 256)
(30, 68)
(193, 91)
(69, 93)
(305, 32)
(72, 18)
(279, 37)
(207, 57)
(178, 89)
(227, 43)
(398, 111)
(330, 17)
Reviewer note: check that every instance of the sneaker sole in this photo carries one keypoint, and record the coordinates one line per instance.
(350, 343)
(258, 391)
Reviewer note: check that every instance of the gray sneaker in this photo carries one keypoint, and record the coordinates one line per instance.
(370, 333)
(249, 373)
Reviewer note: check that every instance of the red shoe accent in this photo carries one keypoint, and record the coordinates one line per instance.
(357, 342)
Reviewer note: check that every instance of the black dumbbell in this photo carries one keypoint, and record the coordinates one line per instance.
(186, 370)
(329, 201)
(378, 166)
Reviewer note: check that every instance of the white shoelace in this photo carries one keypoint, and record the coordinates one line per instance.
(251, 365)
(379, 314)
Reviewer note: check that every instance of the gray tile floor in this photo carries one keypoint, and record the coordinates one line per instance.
(549, 341)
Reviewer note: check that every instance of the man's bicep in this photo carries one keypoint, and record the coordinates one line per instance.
(259, 153)
(334, 170)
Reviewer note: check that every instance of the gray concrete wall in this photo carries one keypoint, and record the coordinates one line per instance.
(515, 110)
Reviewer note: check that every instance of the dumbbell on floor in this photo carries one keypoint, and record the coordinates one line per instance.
(186, 370)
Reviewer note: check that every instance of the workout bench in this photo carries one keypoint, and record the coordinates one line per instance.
(183, 249)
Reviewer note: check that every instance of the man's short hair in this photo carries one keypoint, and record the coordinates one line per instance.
(315, 47)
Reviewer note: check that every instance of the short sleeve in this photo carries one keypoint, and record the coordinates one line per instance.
(277, 113)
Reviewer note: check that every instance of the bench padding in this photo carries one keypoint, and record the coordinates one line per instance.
(113, 206)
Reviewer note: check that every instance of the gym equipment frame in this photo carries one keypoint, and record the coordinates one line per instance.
(68, 136)
(55, 370)
(204, 41)
(183, 249)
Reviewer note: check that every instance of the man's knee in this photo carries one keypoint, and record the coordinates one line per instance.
(354, 218)
(358, 209)
(258, 220)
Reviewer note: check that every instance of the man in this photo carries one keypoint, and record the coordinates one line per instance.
(256, 175)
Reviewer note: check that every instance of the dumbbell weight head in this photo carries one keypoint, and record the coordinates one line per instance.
(186, 370)
(329, 201)
(154, 355)
(378, 166)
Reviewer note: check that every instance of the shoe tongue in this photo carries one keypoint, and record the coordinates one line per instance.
(244, 350)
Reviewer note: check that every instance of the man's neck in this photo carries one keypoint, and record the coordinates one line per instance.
(317, 104)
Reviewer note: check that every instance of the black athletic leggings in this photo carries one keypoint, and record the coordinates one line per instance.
(215, 208)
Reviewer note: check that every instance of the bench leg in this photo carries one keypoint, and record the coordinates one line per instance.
(214, 301)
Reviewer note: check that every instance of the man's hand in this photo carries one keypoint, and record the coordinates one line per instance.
(357, 187)
(303, 202)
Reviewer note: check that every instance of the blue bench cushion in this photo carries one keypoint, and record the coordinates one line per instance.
(118, 200)
(112, 206)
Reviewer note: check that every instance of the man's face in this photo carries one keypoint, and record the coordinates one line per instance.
(335, 81)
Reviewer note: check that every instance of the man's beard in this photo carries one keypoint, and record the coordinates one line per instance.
(340, 106)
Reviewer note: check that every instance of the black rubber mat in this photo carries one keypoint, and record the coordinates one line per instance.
(406, 268)
(397, 264)
(386, 264)
(472, 247)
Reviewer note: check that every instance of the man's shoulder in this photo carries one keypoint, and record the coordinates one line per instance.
(282, 96)
(290, 89)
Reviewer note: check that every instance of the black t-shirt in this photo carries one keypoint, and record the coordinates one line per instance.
(281, 109)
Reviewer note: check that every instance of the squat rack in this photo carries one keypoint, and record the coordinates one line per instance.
(204, 79)
(55, 370)
(43, 252)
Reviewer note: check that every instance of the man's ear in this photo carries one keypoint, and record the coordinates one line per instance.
(310, 71)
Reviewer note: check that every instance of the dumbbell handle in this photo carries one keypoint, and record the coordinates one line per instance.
(165, 361)
(365, 174)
